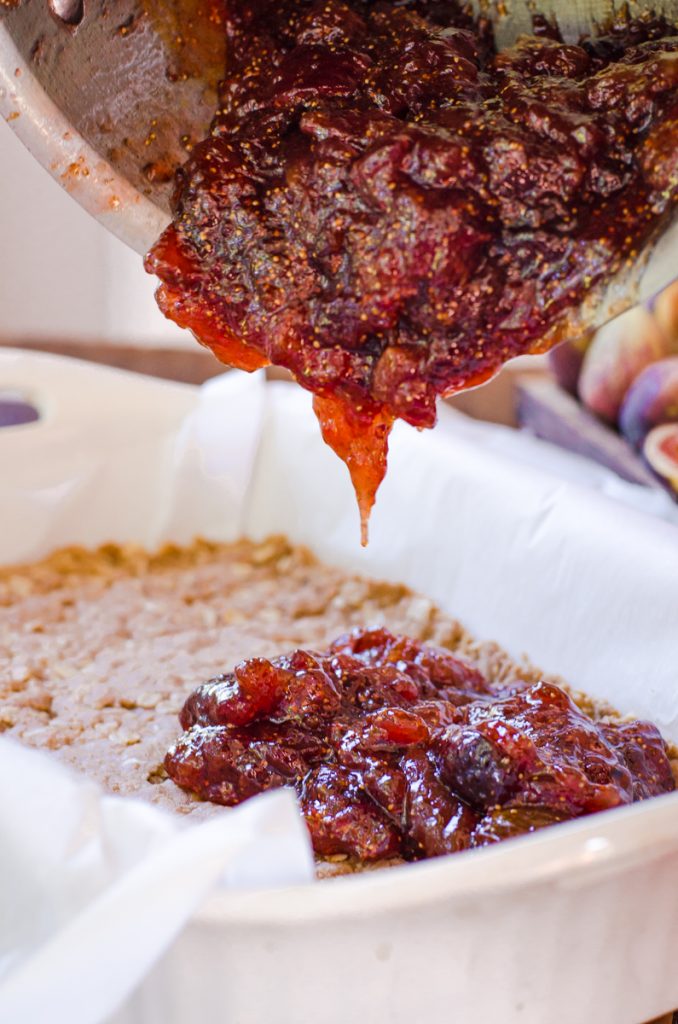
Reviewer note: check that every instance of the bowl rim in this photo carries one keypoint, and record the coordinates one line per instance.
(571, 855)
(75, 165)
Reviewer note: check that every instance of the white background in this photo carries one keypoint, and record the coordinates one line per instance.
(62, 276)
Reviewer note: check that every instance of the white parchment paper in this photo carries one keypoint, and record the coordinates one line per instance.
(94, 888)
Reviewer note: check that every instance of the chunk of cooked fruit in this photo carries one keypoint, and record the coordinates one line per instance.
(396, 748)
(534, 748)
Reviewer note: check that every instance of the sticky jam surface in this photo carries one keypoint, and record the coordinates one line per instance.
(390, 209)
(396, 749)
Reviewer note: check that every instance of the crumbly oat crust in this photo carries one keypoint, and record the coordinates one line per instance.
(99, 649)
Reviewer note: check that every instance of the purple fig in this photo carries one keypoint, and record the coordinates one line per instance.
(619, 351)
(661, 452)
(651, 401)
(566, 361)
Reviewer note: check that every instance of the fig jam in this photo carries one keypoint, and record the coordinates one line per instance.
(396, 749)
(390, 209)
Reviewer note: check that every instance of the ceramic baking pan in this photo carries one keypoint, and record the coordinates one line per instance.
(576, 924)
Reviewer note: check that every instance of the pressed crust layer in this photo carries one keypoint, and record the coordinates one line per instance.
(99, 649)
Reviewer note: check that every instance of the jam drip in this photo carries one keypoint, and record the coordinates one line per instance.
(390, 209)
(360, 438)
(396, 749)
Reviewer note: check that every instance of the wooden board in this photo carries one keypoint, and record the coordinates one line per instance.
(550, 413)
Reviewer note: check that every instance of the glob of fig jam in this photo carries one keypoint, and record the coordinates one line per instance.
(396, 749)
(390, 209)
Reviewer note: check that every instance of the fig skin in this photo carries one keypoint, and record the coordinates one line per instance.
(566, 361)
(665, 309)
(661, 454)
(651, 401)
(619, 352)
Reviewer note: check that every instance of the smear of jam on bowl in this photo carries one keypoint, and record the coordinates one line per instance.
(390, 209)
(396, 749)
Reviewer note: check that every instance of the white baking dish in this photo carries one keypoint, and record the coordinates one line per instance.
(574, 925)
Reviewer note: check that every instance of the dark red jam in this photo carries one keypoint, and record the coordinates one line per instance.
(390, 209)
(396, 749)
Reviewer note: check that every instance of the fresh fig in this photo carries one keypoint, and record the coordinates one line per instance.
(619, 351)
(661, 452)
(665, 310)
(651, 401)
(566, 361)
